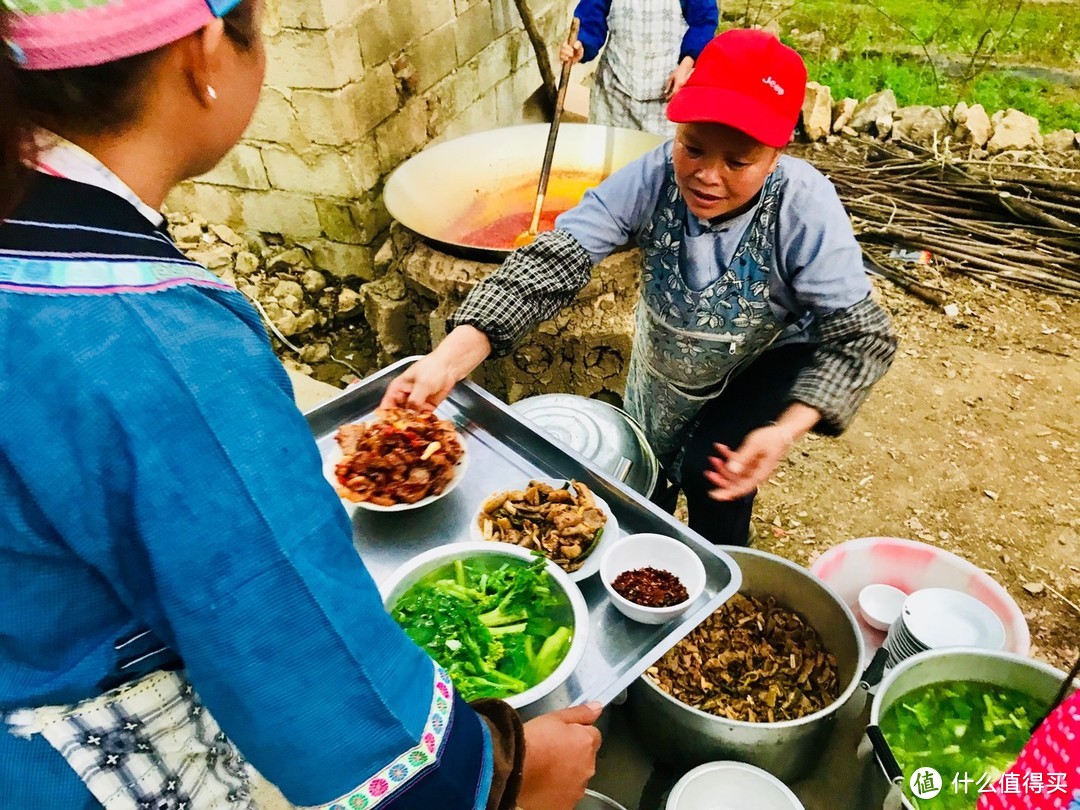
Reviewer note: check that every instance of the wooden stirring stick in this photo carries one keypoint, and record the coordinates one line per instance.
(528, 236)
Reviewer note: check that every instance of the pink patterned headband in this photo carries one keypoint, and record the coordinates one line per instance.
(56, 34)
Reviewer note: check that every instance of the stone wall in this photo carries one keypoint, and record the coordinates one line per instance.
(354, 87)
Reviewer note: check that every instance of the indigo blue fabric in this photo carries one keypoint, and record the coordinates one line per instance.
(155, 473)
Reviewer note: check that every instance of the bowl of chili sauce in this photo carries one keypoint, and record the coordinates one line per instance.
(652, 578)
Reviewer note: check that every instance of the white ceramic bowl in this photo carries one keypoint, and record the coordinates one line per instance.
(731, 786)
(654, 551)
(334, 455)
(592, 562)
(880, 605)
(401, 580)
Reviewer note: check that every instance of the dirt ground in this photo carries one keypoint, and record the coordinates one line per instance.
(971, 443)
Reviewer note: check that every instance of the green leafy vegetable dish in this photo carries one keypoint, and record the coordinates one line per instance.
(498, 624)
(963, 729)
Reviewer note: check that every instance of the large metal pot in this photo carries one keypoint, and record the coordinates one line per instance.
(489, 174)
(686, 736)
(1035, 678)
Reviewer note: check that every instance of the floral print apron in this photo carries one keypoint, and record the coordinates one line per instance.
(689, 343)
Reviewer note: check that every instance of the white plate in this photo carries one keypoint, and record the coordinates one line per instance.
(592, 562)
(941, 617)
(334, 455)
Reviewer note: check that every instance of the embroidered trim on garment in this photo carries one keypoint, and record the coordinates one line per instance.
(381, 787)
(70, 277)
(147, 745)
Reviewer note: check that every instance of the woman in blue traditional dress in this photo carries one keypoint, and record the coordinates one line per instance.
(755, 322)
(180, 589)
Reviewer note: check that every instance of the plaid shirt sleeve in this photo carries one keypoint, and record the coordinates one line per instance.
(532, 285)
(856, 349)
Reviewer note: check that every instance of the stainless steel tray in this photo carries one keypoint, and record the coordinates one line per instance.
(504, 450)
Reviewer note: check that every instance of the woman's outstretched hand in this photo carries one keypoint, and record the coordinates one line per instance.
(735, 473)
(428, 381)
(560, 758)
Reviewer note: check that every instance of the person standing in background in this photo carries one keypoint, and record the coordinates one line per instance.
(649, 50)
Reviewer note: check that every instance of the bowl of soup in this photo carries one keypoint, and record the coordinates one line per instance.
(503, 622)
(966, 713)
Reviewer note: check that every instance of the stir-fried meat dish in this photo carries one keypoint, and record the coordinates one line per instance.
(751, 660)
(400, 457)
(564, 524)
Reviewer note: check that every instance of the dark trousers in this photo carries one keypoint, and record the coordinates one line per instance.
(754, 398)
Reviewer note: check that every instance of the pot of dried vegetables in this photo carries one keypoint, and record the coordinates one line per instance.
(760, 680)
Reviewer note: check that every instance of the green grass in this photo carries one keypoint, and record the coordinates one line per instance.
(859, 48)
(914, 83)
(1043, 33)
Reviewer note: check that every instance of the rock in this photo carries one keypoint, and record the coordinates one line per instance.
(851, 133)
(1034, 588)
(919, 124)
(308, 319)
(250, 290)
(226, 235)
(817, 111)
(1013, 129)
(313, 281)
(952, 310)
(315, 352)
(842, 112)
(214, 257)
(189, 233)
(286, 323)
(349, 302)
(293, 259)
(1063, 140)
(883, 126)
(972, 125)
(292, 303)
(867, 113)
(246, 263)
(811, 40)
(1049, 305)
(286, 289)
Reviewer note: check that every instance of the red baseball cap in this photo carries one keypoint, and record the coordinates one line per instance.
(746, 79)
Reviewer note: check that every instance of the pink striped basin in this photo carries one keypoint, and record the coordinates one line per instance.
(910, 565)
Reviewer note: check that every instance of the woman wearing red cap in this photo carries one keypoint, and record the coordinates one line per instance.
(180, 588)
(754, 320)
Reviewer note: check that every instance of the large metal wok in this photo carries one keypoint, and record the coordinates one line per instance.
(481, 177)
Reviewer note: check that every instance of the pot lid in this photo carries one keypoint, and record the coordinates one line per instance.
(600, 432)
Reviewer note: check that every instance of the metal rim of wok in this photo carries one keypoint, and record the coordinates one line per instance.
(432, 190)
(780, 725)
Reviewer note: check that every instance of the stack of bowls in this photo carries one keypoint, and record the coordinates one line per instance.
(934, 618)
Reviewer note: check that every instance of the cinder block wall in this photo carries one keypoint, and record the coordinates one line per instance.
(353, 87)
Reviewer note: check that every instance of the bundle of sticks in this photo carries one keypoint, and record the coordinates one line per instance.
(1009, 221)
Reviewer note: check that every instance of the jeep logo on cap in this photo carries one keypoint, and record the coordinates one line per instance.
(769, 80)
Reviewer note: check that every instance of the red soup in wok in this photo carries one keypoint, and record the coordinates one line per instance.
(496, 220)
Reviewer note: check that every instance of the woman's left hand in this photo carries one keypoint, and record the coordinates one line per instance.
(678, 77)
(736, 473)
